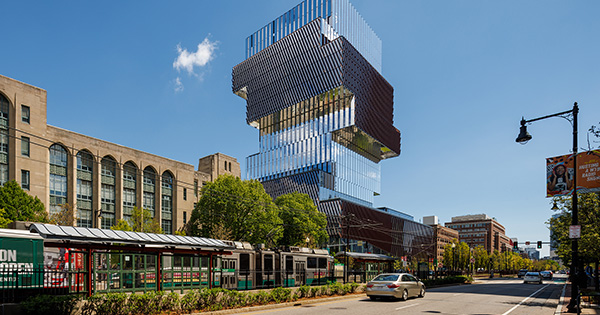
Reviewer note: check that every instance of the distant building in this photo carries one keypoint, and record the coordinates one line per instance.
(479, 229)
(532, 253)
(94, 176)
(442, 236)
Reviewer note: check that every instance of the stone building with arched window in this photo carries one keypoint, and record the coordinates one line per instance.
(92, 175)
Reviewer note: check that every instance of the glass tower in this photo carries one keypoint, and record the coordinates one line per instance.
(312, 84)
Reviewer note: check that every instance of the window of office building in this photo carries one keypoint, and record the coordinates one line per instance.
(25, 179)
(149, 190)
(25, 146)
(107, 191)
(25, 113)
(85, 167)
(167, 202)
(4, 107)
(129, 189)
(58, 177)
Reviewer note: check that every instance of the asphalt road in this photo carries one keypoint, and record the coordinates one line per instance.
(493, 296)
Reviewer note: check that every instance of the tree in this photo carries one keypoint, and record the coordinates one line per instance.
(141, 221)
(236, 210)
(20, 206)
(482, 258)
(588, 208)
(65, 216)
(4, 222)
(301, 220)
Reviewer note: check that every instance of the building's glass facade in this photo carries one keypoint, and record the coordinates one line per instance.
(340, 15)
(314, 91)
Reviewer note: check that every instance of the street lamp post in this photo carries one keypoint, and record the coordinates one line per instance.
(523, 137)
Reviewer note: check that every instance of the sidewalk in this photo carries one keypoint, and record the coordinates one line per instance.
(564, 301)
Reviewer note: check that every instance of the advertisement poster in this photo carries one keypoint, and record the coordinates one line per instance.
(560, 173)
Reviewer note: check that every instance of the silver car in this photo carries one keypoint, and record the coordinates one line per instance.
(532, 276)
(395, 285)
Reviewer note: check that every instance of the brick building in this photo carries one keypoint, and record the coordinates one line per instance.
(479, 229)
(94, 176)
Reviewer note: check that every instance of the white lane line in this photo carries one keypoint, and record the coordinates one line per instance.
(527, 298)
(407, 306)
(560, 301)
(455, 294)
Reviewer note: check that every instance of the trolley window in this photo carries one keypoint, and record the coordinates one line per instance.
(245, 262)
(311, 262)
(268, 263)
(322, 263)
(289, 263)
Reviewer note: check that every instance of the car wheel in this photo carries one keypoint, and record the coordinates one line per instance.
(422, 293)
(404, 295)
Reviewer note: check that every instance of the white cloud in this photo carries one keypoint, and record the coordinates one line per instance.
(200, 58)
(178, 85)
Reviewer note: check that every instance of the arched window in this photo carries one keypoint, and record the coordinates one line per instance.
(107, 191)
(149, 190)
(4, 107)
(167, 202)
(58, 177)
(129, 189)
(85, 171)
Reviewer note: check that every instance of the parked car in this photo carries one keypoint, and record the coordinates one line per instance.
(521, 273)
(395, 285)
(546, 275)
(532, 276)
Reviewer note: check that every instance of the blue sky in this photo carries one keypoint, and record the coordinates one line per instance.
(464, 72)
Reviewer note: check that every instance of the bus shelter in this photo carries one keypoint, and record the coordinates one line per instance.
(104, 260)
(366, 266)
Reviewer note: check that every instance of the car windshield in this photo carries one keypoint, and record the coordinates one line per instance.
(386, 278)
(533, 274)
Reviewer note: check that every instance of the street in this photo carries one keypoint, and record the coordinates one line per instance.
(489, 296)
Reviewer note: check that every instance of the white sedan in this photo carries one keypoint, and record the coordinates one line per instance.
(532, 276)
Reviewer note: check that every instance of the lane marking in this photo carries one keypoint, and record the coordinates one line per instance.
(560, 301)
(407, 306)
(527, 298)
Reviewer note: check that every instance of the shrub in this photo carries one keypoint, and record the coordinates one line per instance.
(281, 294)
(304, 291)
(50, 304)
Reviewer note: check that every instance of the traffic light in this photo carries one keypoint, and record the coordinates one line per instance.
(539, 245)
(515, 245)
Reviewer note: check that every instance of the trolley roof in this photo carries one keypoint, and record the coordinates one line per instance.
(103, 236)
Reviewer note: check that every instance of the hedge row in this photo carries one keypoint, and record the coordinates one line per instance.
(157, 302)
(447, 280)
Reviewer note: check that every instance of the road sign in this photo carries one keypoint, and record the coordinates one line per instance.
(472, 260)
(575, 231)
(440, 265)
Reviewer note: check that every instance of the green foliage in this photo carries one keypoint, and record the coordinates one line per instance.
(122, 225)
(236, 210)
(4, 221)
(141, 221)
(447, 280)
(301, 220)
(457, 255)
(588, 208)
(303, 291)
(20, 206)
(281, 294)
(50, 304)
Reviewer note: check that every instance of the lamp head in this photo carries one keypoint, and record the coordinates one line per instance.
(524, 136)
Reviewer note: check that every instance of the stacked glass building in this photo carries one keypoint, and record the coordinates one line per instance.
(312, 83)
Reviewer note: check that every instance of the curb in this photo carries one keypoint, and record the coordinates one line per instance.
(281, 305)
(561, 300)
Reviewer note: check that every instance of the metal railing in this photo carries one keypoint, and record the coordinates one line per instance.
(17, 284)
